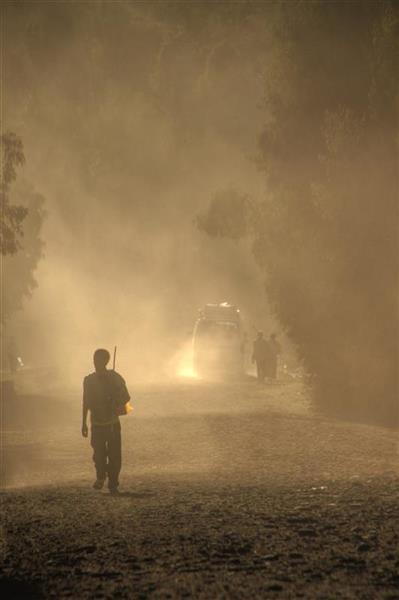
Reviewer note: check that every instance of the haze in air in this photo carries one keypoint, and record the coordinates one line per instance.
(184, 180)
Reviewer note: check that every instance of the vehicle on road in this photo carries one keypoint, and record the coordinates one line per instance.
(218, 341)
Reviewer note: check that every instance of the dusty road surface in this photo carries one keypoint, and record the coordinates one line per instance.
(228, 491)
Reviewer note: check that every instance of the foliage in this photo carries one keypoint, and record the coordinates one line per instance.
(19, 268)
(21, 222)
(12, 215)
(230, 211)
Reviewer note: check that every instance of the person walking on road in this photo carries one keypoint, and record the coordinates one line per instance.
(260, 355)
(105, 395)
(274, 352)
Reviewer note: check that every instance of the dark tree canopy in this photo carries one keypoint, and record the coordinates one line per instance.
(229, 211)
(12, 215)
(22, 214)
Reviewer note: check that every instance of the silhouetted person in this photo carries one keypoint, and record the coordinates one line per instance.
(260, 355)
(243, 351)
(104, 395)
(274, 352)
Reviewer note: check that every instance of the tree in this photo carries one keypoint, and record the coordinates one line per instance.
(12, 215)
(326, 234)
(19, 268)
(229, 214)
(21, 223)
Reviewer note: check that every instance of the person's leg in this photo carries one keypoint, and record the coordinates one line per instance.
(273, 369)
(267, 370)
(98, 443)
(114, 456)
(261, 371)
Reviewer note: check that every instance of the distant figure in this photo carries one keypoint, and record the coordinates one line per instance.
(274, 352)
(105, 396)
(243, 351)
(260, 355)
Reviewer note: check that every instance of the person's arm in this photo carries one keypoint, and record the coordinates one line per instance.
(85, 410)
(123, 394)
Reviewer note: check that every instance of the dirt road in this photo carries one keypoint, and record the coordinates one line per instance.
(228, 491)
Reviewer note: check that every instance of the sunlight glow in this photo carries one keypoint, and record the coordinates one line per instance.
(185, 360)
(187, 371)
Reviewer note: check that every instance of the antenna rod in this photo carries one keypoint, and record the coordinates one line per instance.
(114, 358)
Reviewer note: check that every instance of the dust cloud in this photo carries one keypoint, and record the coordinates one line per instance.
(138, 118)
(132, 117)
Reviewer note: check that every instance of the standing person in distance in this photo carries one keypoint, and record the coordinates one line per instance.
(260, 355)
(105, 395)
(275, 351)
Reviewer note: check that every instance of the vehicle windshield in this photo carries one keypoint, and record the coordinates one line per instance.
(219, 332)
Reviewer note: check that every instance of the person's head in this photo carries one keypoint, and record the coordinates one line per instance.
(101, 358)
(273, 336)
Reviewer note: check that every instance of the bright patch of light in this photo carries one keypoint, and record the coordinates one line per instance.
(187, 372)
(185, 362)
